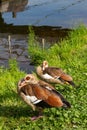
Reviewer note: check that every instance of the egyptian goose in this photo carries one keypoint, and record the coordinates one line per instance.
(39, 94)
(53, 74)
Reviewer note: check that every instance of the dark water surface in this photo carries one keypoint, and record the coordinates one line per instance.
(51, 20)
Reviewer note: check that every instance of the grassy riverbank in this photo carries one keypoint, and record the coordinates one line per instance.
(71, 55)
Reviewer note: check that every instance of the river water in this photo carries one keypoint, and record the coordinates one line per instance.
(51, 20)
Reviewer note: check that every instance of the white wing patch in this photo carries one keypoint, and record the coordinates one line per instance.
(33, 99)
(47, 76)
(48, 88)
(57, 77)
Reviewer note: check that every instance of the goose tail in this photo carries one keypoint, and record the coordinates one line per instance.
(66, 104)
(72, 83)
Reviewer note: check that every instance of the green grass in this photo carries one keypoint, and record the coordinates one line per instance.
(71, 55)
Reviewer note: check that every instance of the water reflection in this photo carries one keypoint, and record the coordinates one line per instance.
(18, 51)
(52, 13)
(48, 12)
(13, 6)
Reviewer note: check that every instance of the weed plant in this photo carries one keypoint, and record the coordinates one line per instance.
(71, 55)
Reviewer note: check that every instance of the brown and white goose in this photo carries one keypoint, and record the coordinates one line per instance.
(53, 74)
(39, 94)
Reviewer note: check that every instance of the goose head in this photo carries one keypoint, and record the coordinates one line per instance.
(28, 79)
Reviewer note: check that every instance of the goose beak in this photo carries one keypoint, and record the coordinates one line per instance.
(22, 83)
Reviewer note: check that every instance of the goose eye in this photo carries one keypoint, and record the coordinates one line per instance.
(27, 78)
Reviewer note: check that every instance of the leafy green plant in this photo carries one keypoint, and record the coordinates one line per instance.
(36, 53)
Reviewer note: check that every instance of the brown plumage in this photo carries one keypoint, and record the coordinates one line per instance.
(39, 94)
(53, 74)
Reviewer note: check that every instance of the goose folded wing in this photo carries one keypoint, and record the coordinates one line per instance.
(58, 73)
(48, 95)
(53, 71)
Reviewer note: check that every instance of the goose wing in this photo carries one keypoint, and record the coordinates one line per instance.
(49, 95)
(58, 73)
